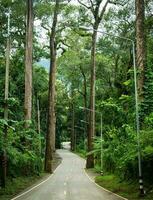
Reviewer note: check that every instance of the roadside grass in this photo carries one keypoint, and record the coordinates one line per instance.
(16, 185)
(126, 189)
(80, 153)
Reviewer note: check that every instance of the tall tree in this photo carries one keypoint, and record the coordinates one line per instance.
(28, 61)
(8, 46)
(140, 44)
(141, 63)
(97, 9)
(84, 94)
(73, 147)
(50, 137)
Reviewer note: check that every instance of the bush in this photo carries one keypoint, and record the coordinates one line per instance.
(120, 153)
(22, 148)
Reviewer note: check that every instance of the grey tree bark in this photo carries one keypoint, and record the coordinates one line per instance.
(140, 44)
(28, 61)
(50, 137)
(72, 128)
(97, 12)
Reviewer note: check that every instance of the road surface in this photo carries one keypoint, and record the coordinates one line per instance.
(69, 182)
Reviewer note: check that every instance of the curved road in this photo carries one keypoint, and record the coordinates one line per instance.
(69, 182)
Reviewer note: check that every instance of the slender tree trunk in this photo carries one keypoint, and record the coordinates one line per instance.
(38, 116)
(3, 168)
(38, 124)
(7, 78)
(91, 130)
(85, 105)
(50, 137)
(140, 44)
(3, 155)
(72, 129)
(95, 8)
(141, 64)
(84, 97)
(28, 62)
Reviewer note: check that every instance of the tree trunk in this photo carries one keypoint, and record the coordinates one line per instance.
(50, 137)
(84, 97)
(38, 116)
(4, 156)
(140, 44)
(91, 130)
(97, 10)
(72, 130)
(8, 47)
(38, 125)
(85, 105)
(28, 62)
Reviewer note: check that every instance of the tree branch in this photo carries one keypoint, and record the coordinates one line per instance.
(46, 28)
(92, 6)
(64, 43)
(82, 34)
(103, 10)
(119, 3)
(80, 92)
(82, 72)
(88, 7)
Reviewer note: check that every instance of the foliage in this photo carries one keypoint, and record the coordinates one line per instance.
(22, 148)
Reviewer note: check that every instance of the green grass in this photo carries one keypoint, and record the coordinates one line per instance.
(80, 153)
(128, 190)
(16, 185)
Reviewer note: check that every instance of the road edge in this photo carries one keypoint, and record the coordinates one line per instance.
(97, 184)
(39, 184)
(103, 187)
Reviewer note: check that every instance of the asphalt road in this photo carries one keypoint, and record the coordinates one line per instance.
(69, 182)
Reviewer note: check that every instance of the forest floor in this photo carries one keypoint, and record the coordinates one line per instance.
(125, 189)
(20, 184)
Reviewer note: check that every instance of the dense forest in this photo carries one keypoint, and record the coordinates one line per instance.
(98, 92)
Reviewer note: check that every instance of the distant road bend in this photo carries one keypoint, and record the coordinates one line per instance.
(69, 182)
